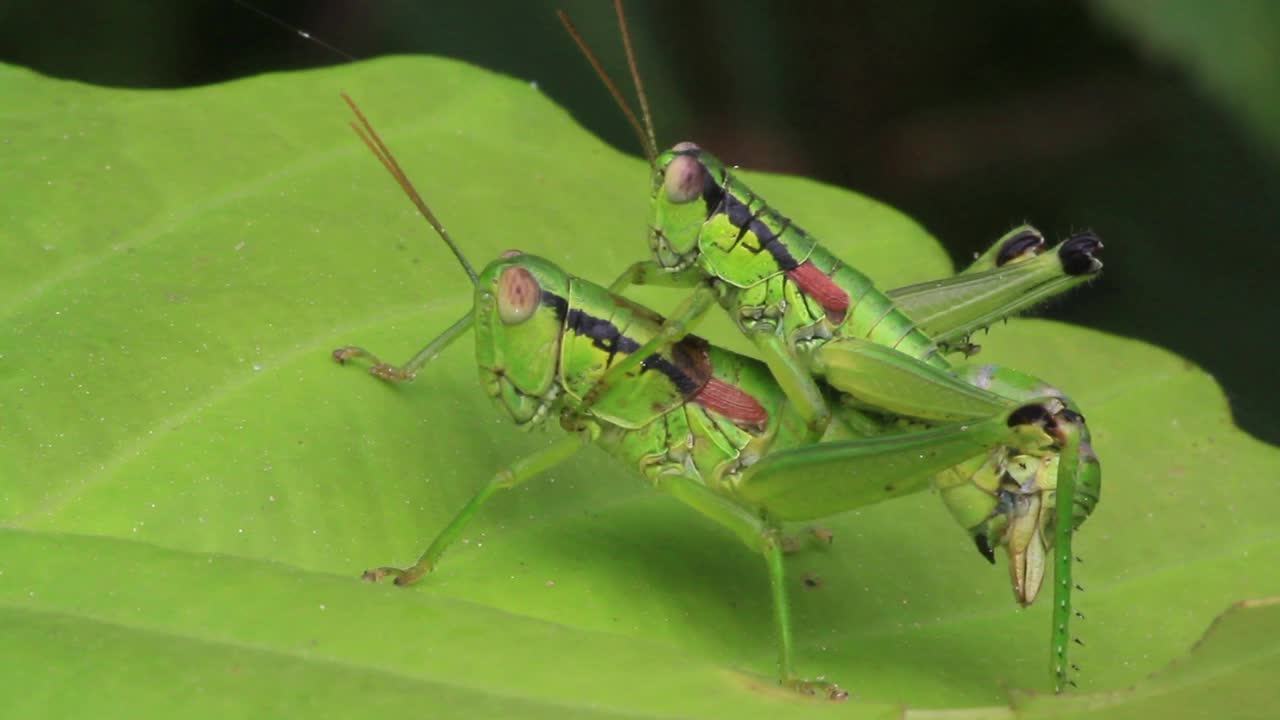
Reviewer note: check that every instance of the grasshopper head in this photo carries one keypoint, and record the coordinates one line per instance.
(686, 190)
(520, 305)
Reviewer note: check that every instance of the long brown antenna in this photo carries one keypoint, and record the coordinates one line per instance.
(635, 75)
(646, 141)
(383, 153)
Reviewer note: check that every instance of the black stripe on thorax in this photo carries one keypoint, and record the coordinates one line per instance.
(605, 336)
(741, 217)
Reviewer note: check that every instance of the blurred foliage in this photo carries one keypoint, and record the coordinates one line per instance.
(1232, 49)
(970, 117)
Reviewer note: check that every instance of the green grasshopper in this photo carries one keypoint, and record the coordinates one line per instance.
(708, 426)
(819, 322)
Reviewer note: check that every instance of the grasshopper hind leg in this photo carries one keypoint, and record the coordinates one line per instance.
(1043, 499)
(765, 537)
(1032, 515)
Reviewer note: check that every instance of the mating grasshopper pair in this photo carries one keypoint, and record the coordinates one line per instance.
(740, 440)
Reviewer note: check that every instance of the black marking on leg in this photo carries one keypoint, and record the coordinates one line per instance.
(984, 547)
(1077, 254)
(1018, 245)
(1030, 414)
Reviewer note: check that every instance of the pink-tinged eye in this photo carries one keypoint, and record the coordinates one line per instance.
(684, 179)
(518, 295)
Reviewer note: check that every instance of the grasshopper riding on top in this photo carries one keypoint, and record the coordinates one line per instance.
(705, 425)
(825, 330)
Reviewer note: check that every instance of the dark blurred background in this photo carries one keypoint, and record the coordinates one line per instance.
(1155, 124)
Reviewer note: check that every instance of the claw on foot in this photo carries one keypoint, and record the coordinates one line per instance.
(378, 369)
(402, 577)
(814, 688)
(821, 536)
(343, 354)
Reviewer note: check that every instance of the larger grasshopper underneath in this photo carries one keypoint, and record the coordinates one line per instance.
(707, 426)
(821, 326)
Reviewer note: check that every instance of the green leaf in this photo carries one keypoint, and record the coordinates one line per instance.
(190, 486)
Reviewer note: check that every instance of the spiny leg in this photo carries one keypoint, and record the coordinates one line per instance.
(953, 308)
(507, 478)
(1076, 492)
(1069, 477)
(1037, 514)
(407, 371)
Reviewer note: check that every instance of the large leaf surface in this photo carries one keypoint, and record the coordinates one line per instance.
(191, 487)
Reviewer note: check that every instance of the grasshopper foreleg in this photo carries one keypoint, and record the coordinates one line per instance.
(507, 478)
(407, 371)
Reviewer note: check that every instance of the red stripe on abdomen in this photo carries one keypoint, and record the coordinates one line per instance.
(818, 286)
(735, 404)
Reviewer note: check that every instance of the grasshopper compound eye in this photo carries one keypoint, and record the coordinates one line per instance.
(685, 176)
(518, 295)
